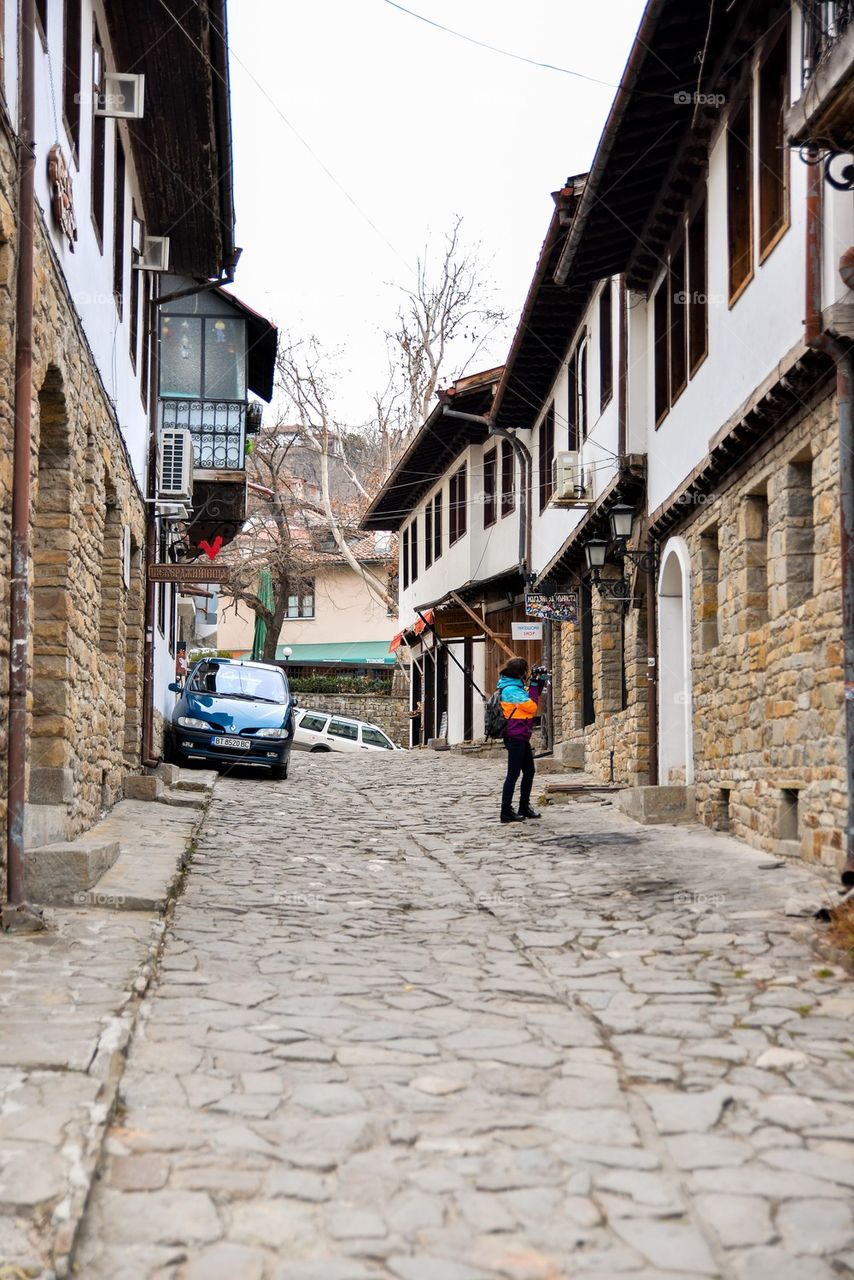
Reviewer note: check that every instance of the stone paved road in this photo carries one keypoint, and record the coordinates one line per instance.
(392, 1039)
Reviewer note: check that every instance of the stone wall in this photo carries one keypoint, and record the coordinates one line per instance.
(389, 711)
(8, 203)
(86, 622)
(768, 704)
(621, 730)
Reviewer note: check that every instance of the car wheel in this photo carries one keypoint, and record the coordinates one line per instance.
(279, 772)
(314, 749)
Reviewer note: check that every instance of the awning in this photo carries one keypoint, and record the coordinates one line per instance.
(360, 653)
(414, 629)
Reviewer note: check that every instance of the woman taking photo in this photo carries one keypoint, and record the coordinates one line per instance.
(519, 702)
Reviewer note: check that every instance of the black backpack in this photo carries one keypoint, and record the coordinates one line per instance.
(494, 720)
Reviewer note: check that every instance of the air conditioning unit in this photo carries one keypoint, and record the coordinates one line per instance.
(155, 254)
(568, 478)
(175, 464)
(122, 96)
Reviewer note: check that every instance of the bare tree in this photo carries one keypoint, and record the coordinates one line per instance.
(448, 312)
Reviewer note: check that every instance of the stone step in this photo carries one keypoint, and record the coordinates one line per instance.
(185, 799)
(196, 780)
(564, 792)
(60, 874)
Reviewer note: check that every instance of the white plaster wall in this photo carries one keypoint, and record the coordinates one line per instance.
(746, 340)
(89, 269)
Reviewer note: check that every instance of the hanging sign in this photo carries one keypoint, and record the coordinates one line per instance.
(61, 194)
(560, 607)
(189, 573)
(526, 631)
(456, 624)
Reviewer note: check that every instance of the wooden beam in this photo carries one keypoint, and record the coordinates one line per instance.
(481, 623)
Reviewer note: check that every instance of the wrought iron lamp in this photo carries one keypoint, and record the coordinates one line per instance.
(620, 519)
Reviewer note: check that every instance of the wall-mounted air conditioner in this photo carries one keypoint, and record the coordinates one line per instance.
(568, 478)
(175, 464)
(155, 254)
(122, 97)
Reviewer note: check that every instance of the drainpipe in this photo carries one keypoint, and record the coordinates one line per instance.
(525, 464)
(148, 758)
(19, 595)
(820, 340)
(652, 667)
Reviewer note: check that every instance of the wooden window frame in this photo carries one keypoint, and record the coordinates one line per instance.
(490, 487)
(508, 479)
(698, 234)
(437, 526)
(98, 175)
(545, 456)
(72, 80)
(606, 345)
(457, 499)
(428, 534)
(769, 238)
(661, 351)
(413, 550)
(572, 441)
(677, 325)
(742, 107)
(119, 225)
(404, 558)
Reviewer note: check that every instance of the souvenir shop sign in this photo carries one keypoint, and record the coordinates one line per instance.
(189, 573)
(560, 607)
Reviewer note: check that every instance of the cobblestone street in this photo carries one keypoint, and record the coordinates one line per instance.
(391, 1038)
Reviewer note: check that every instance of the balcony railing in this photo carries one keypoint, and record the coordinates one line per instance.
(824, 23)
(218, 428)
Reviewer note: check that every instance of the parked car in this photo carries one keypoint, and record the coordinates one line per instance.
(233, 712)
(321, 731)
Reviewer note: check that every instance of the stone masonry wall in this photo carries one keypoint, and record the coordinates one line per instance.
(615, 728)
(768, 706)
(389, 711)
(86, 623)
(8, 203)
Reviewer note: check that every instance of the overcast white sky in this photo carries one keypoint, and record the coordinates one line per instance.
(416, 126)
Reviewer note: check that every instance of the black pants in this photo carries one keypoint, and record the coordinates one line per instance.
(520, 759)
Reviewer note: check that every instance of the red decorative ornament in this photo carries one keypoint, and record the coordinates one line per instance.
(211, 550)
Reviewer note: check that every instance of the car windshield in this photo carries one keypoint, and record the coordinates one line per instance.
(233, 680)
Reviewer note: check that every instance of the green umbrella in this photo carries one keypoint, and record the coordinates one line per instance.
(265, 595)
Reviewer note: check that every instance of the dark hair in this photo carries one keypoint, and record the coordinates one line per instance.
(516, 669)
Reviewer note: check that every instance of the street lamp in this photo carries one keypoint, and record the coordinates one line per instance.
(621, 518)
(595, 551)
(286, 652)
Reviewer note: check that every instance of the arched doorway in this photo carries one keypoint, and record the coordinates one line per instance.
(675, 735)
(53, 729)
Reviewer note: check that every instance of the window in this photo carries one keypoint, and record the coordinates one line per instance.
(119, 228)
(133, 318)
(739, 199)
(773, 152)
(314, 724)
(710, 570)
(437, 526)
(508, 479)
(457, 509)
(301, 603)
(404, 557)
(144, 368)
(755, 536)
(800, 534)
(546, 455)
(581, 390)
(606, 345)
(202, 357)
(680, 313)
(490, 462)
(678, 324)
(71, 57)
(173, 598)
(572, 402)
(698, 284)
(344, 729)
(374, 738)
(99, 142)
(428, 535)
(413, 549)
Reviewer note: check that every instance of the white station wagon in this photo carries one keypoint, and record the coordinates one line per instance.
(321, 731)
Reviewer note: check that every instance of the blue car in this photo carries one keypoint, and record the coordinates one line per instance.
(233, 712)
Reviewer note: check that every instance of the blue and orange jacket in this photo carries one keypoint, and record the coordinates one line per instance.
(520, 706)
